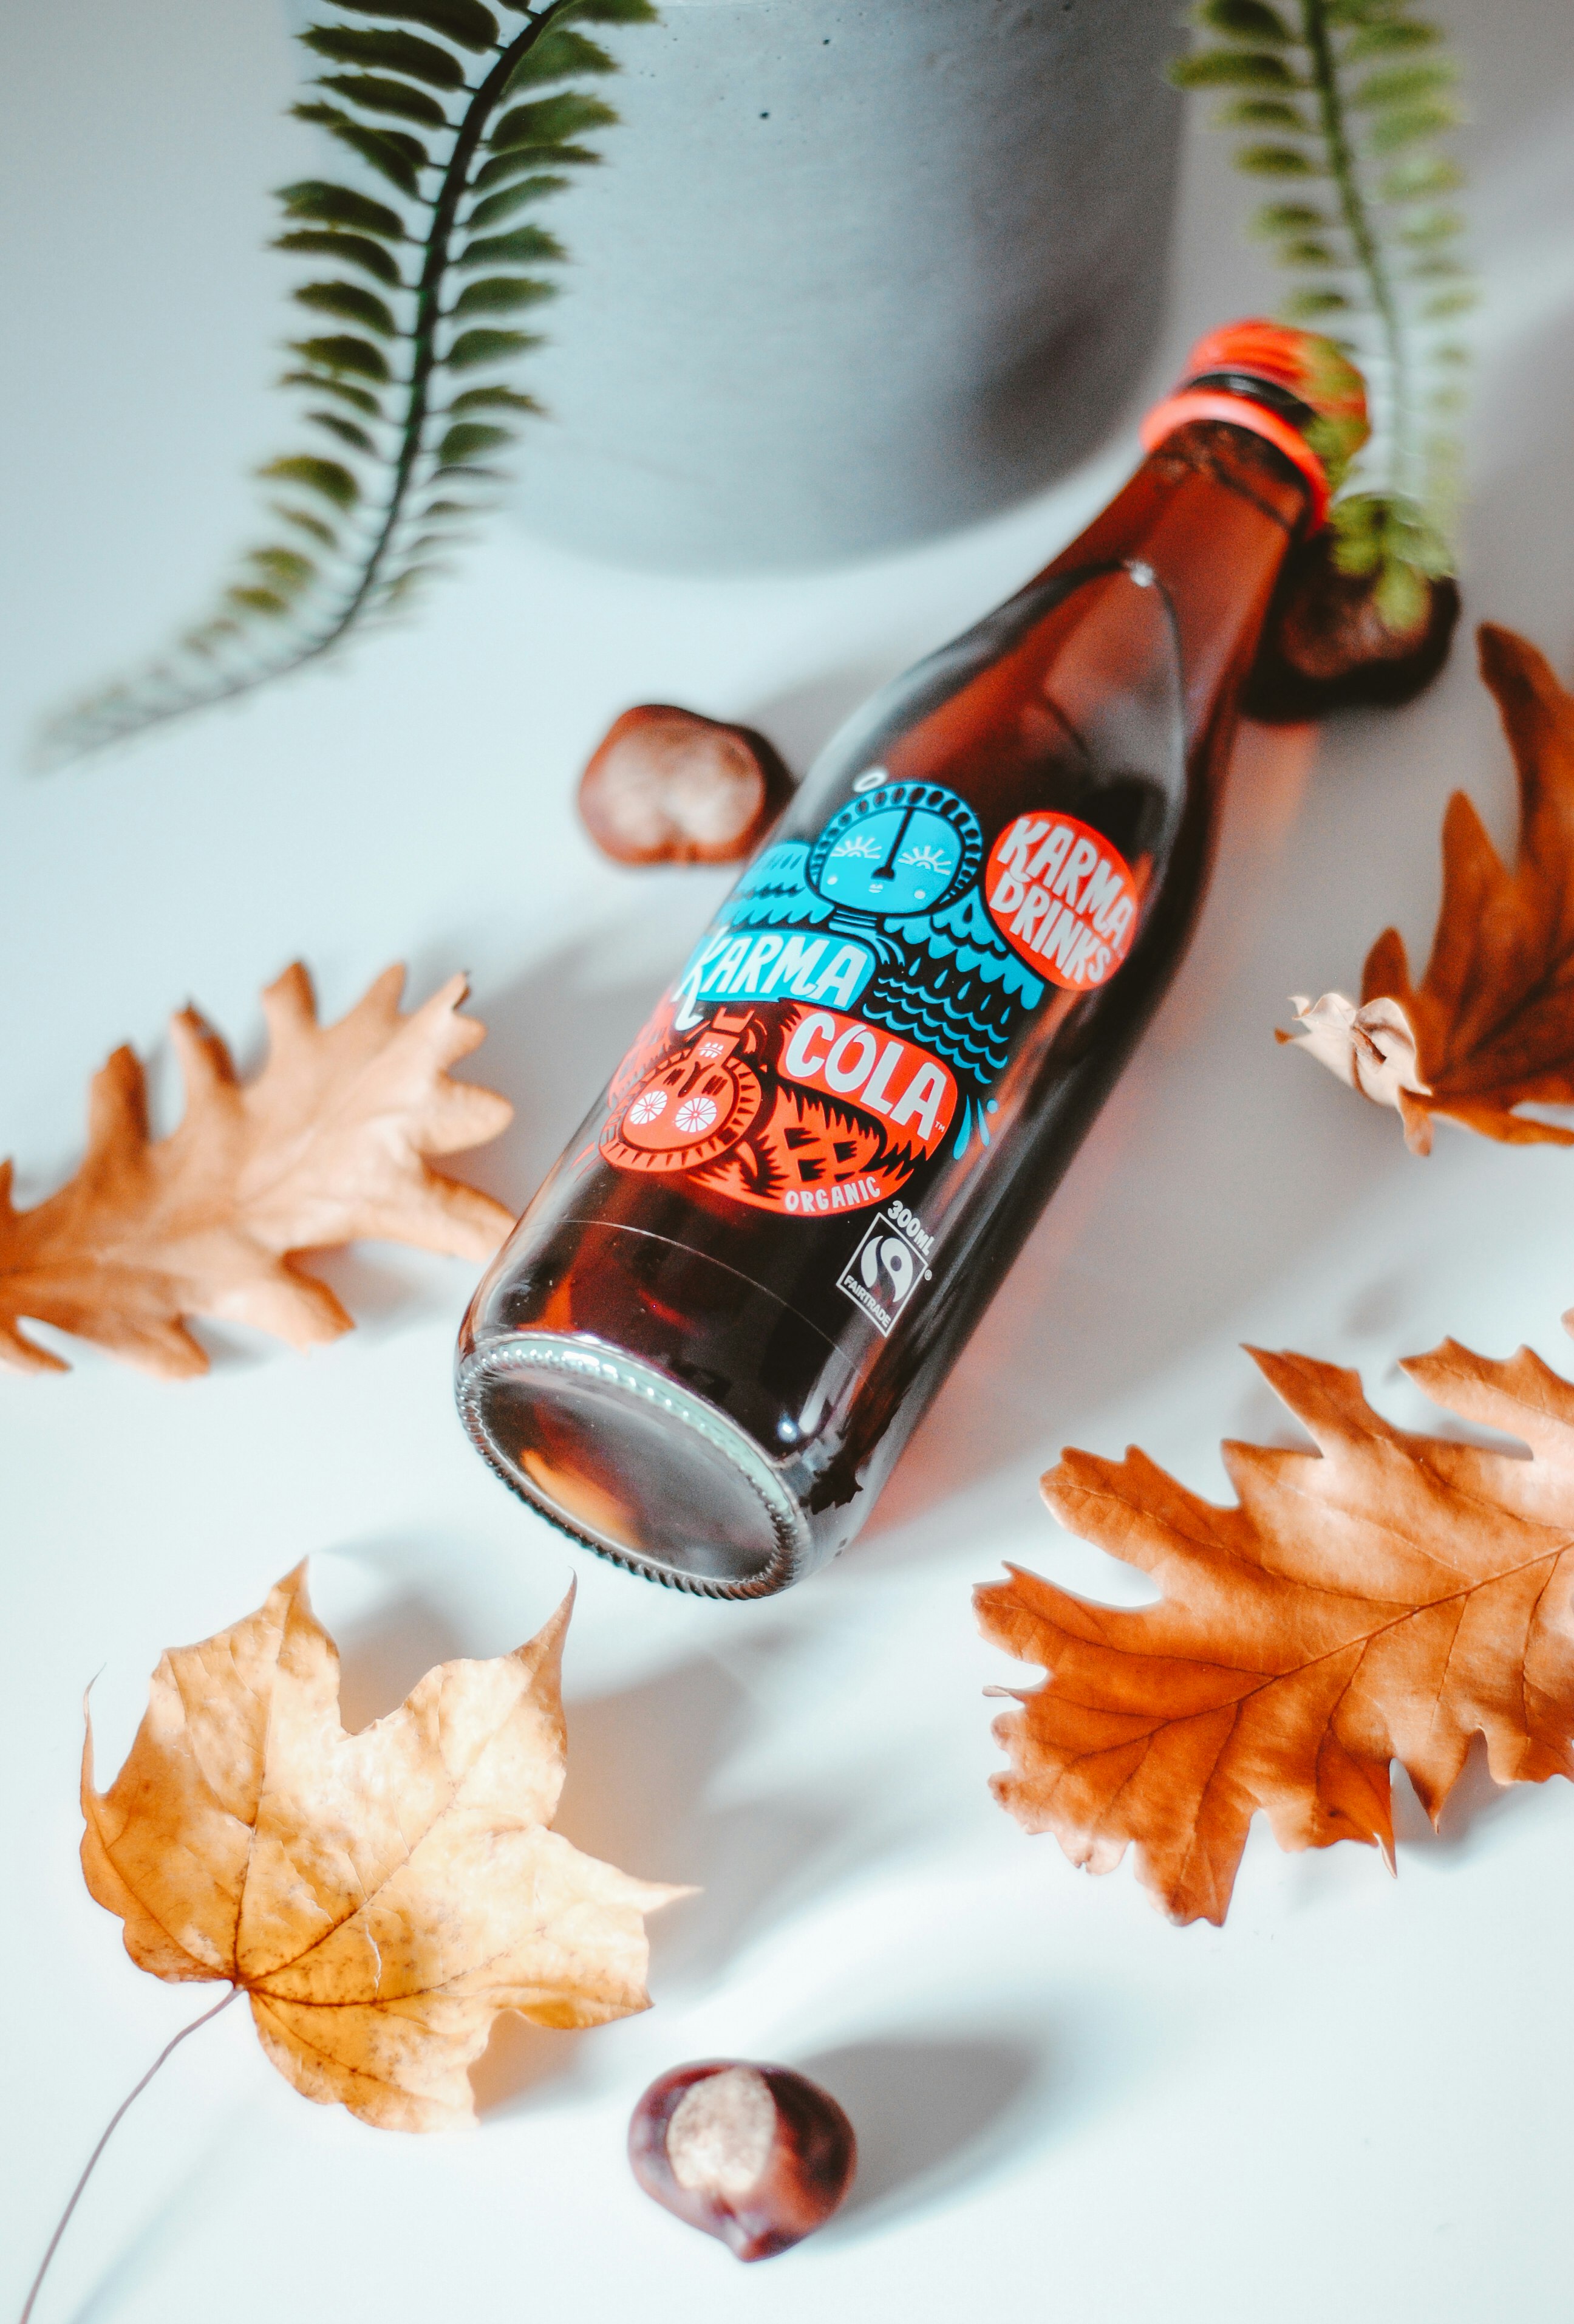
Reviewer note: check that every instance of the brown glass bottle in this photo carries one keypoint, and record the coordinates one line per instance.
(712, 1332)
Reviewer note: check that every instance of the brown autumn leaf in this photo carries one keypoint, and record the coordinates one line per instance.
(378, 1897)
(1490, 1027)
(1386, 1597)
(327, 1144)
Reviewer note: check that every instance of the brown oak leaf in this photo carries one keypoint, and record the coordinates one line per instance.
(1386, 1597)
(1490, 1027)
(381, 1897)
(327, 1144)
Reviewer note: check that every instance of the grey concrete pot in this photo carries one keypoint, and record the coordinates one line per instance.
(854, 272)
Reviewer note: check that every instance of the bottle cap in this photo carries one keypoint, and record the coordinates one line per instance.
(1293, 387)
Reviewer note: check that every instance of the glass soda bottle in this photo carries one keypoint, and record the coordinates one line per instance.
(712, 1332)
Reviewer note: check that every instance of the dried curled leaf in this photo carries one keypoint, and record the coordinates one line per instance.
(1386, 1597)
(1373, 1049)
(1490, 1028)
(327, 1145)
(378, 1897)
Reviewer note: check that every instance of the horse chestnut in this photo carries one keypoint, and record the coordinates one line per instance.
(665, 786)
(756, 2155)
(1326, 645)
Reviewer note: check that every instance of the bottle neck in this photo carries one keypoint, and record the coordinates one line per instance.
(1213, 511)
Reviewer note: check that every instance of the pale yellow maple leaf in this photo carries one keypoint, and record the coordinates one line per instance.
(380, 1897)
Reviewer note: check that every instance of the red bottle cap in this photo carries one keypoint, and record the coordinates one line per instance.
(1312, 409)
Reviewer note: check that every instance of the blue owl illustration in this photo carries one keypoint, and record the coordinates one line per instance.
(896, 871)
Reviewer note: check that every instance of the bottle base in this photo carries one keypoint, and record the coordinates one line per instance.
(634, 1465)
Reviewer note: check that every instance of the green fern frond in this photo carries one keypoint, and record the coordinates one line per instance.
(1358, 92)
(484, 131)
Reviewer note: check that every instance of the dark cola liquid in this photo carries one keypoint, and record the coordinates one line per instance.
(714, 1329)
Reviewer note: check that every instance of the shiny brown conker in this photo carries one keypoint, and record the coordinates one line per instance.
(1326, 645)
(665, 786)
(756, 2155)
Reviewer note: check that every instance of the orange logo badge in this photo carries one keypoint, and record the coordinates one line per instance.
(1063, 899)
(789, 1109)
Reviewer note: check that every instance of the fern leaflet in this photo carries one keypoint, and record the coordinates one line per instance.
(1344, 103)
(463, 124)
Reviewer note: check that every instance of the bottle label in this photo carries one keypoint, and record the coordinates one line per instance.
(1063, 899)
(782, 1106)
(858, 997)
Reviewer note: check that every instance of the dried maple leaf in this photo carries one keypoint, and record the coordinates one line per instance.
(1386, 1597)
(1491, 1026)
(378, 1897)
(327, 1144)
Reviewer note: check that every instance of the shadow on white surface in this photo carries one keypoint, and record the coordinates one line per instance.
(524, 2066)
(383, 1286)
(143, 2258)
(641, 1763)
(934, 2114)
(1517, 569)
(555, 1035)
(383, 1656)
(1475, 1815)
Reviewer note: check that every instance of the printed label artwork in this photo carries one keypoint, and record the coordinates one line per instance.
(856, 1003)
(1063, 899)
(883, 1273)
(797, 1109)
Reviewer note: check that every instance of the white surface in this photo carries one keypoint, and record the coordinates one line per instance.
(1352, 2100)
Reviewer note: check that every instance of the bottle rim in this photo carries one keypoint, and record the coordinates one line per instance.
(1190, 404)
(570, 1358)
(1293, 387)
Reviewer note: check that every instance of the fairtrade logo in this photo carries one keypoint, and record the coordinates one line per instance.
(1063, 899)
(882, 1273)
